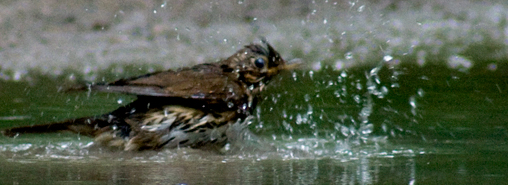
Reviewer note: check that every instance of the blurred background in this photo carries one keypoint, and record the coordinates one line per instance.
(391, 92)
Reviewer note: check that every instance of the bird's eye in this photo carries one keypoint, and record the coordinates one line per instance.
(260, 63)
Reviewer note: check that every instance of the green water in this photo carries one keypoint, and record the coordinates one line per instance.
(382, 124)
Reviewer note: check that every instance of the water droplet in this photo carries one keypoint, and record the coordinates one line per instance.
(348, 56)
(384, 127)
(309, 110)
(299, 119)
(343, 74)
(344, 130)
(325, 21)
(361, 8)
(357, 98)
(119, 101)
(376, 78)
(365, 112)
(387, 58)
(359, 86)
(330, 83)
(274, 99)
(287, 126)
(366, 129)
(336, 93)
(384, 90)
(421, 92)
(412, 101)
(165, 112)
(306, 97)
(231, 104)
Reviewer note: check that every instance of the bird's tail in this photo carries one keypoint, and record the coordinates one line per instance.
(89, 126)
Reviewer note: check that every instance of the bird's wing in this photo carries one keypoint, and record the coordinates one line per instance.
(205, 82)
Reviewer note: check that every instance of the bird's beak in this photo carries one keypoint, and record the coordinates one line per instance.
(293, 64)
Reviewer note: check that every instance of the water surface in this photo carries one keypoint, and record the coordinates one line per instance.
(361, 125)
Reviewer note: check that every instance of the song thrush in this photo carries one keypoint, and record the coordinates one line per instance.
(189, 107)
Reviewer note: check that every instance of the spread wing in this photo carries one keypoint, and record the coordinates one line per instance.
(205, 81)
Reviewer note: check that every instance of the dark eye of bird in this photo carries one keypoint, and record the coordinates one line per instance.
(260, 63)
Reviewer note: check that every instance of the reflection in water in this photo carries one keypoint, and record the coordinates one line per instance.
(365, 170)
(95, 166)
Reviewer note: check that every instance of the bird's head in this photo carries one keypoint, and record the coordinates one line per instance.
(255, 63)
